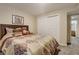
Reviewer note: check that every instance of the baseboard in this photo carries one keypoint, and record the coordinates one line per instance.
(63, 44)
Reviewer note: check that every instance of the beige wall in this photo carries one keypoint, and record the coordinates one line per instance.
(6, 17)
(63, 28)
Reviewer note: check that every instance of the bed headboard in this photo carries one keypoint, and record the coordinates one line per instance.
(3, 28)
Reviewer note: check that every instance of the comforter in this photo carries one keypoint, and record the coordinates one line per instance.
(28, 45)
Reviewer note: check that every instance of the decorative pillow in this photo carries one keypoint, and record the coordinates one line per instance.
(17, 33)
(24, 28)
(17, 30)
(9, 30)
(25, 32)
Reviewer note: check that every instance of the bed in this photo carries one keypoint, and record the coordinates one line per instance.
(25, 44)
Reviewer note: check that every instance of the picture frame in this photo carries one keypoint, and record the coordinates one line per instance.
(17, 20)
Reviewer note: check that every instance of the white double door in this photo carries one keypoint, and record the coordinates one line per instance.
(50, 25)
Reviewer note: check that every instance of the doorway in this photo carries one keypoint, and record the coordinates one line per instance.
(72, 28)
(74, 25)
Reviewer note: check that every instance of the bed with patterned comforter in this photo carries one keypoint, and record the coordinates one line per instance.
(28, 45)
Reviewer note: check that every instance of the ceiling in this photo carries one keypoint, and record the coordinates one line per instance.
(39, 8)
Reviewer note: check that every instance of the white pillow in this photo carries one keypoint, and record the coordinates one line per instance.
(9, 30)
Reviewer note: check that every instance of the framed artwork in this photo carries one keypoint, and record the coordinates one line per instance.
(17, 20)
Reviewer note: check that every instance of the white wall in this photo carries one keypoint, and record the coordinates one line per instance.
(6, 17)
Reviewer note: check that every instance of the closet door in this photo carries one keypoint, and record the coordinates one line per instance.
(49, 25)
(53, 26)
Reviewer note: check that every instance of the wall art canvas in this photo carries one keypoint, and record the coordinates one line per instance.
(17, 20)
